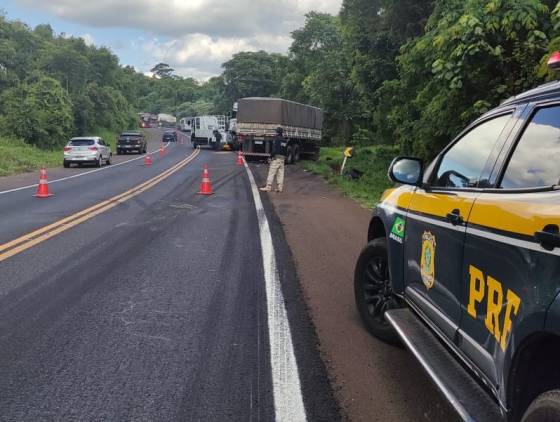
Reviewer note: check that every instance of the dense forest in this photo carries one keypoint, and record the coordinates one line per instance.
(408, 73)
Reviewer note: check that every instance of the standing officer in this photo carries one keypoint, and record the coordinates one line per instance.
(278, 157)
(217, 140)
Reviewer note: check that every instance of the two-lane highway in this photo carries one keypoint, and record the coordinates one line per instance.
(158, 307)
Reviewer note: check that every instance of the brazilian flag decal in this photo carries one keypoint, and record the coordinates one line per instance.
(398, 227)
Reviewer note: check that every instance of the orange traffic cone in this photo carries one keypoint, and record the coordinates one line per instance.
(239, 161)
(43, 188)
(206, 185)
(148, 160)
(161, 150)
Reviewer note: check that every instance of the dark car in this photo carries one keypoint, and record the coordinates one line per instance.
(462, 263)
(169, 136)
(131, 141)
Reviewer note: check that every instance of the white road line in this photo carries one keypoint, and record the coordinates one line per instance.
(84, 173)
(286, 385)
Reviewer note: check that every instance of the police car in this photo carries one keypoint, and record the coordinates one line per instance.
(462, 263)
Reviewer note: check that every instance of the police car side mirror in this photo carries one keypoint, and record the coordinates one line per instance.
(406, 170)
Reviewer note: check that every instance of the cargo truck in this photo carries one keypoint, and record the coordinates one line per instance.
(166, 120)
(258, 118)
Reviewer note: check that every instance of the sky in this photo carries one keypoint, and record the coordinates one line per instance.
(194, 36)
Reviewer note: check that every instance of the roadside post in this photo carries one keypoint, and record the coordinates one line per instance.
(348, 153)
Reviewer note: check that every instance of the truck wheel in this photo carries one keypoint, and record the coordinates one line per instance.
(373, 292)
(296, 154)
(66, 164)
(194, 144)
(545, 408)
(289, 155)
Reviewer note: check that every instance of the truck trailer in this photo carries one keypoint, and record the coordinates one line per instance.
(258, 118)
(166, 120)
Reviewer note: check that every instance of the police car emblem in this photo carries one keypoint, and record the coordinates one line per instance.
(427, 259)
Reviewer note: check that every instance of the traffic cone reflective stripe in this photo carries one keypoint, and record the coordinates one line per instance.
(148, 160)
(239, 161)
(206, 185)
(43, 188)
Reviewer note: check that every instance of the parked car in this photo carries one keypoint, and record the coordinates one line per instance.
(91, 150)
(169, 136)
(462, 262)
(132, 141)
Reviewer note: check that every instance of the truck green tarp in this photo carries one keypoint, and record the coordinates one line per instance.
(279, 112)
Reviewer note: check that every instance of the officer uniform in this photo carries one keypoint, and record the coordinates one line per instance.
(217, 139)
(278, 158)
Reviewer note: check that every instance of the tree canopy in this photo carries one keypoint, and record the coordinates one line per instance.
(409, 73)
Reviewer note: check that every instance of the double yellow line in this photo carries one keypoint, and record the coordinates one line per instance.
(29, 240)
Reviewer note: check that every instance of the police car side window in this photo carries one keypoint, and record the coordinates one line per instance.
(535, 160)
(462, 164)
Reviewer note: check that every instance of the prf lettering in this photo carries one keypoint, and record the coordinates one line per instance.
(499, 327)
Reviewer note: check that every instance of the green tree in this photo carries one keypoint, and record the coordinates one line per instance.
(162, 70)
(474, 54)
(39, 111)
(252, 74)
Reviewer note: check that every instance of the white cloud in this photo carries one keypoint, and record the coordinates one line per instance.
(88, 39)
(174, 18)
(200, 56)
(195, 36)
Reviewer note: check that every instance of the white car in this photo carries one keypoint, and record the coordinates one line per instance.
(92, 150)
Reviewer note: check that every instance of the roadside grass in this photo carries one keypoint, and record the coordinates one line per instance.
(372, 161)
(16, 156)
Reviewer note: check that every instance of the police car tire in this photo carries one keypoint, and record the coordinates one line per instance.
(378, 327)
(545, 408)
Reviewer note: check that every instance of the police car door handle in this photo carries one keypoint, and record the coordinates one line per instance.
(549, 237)
(454, 217)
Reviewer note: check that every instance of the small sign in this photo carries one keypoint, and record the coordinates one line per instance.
(397, 231)
(348, 152)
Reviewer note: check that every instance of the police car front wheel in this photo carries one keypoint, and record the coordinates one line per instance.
(372, 290)
(545, 408)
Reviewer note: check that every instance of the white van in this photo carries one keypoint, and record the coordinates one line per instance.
(203, 131)
(185, 124)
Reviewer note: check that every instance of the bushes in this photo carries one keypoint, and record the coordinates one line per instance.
(372, 162)
(39, 112)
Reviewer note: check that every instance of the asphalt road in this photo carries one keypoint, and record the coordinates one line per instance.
(156, 303)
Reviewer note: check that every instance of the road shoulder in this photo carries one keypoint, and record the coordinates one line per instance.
(325, 232)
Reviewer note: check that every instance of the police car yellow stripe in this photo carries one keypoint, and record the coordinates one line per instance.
(505, 217)
(516, 216)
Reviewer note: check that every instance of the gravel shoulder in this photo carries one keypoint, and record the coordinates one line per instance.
(326, 232)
